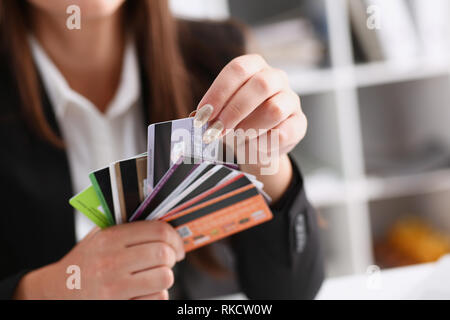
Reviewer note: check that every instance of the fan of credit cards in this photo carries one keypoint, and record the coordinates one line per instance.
(180, 180)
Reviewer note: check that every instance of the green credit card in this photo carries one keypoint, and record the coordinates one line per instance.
(88, 203)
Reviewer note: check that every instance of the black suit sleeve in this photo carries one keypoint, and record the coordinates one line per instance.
(281, 259)
(9, 284)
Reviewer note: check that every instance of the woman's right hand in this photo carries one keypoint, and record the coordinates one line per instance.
(129, 261)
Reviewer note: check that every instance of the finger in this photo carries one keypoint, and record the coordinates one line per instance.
(274, 142)
(284, 136)
(272, 112)
(140, 232)
(163, 295)
(150, 281)
(148, 255)
(229, 80)
(255, 91)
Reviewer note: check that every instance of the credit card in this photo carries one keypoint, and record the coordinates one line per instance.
(194, 179)
(258, 184)
(101, 181)
(169, 140)
(220, 190)
(221, 217)
(88, 203)
(173, 178)
(213, 177)
(128, 186)
(198, 199)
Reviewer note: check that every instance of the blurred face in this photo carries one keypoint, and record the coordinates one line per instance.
(90, 9)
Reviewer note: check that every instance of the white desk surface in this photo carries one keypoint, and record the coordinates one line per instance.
(398, 283)
(425, 281)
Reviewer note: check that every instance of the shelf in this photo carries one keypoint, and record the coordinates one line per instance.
(316, 81)
(373, 74)
(326, 189)
(414, 184)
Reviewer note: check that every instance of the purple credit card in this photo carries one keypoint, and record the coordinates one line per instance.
(176, 174)
(169, 140)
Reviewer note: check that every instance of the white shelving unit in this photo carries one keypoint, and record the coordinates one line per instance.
(344, 193)
(307, 82)
(333, 155)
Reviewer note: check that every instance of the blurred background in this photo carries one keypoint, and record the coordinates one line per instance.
(373, 76)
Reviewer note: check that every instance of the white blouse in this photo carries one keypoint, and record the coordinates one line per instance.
(94, 139)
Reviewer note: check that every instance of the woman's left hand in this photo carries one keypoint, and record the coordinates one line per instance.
(249, 94)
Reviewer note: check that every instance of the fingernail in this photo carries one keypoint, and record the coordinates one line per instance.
(192, 114)
(202, 115)
(213, 132)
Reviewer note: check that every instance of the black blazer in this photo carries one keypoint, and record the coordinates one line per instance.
(279, 259)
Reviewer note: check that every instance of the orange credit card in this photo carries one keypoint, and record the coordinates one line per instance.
(222, 188)
(220, 216)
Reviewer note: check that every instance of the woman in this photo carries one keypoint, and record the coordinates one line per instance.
(74, 100)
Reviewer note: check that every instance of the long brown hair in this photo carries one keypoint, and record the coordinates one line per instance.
(168, 93)
(155, 31)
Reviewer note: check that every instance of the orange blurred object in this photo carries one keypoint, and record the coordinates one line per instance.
(419, 241)
(411, 241)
